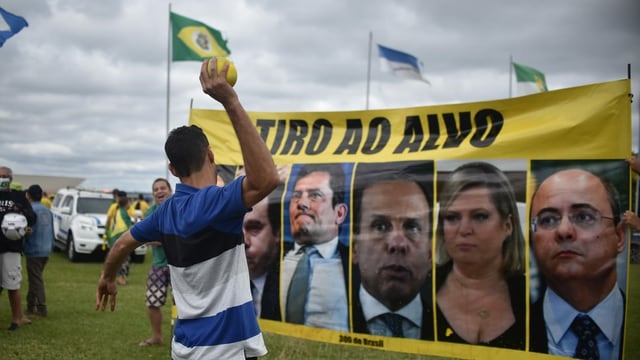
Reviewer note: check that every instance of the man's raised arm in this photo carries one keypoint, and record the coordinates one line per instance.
(261, 174)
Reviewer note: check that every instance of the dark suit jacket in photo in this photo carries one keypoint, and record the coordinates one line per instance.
(270, 303)
(360, 323)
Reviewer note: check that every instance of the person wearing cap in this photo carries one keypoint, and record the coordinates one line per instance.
(13, 201)
(37, 247)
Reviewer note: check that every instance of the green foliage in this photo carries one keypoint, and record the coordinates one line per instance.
(75, 330)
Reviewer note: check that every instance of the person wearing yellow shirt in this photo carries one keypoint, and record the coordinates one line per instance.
(119, 220)
(110, 214)
(45, 200)
(140, 206)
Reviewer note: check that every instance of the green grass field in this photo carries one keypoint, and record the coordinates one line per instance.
(74, 330)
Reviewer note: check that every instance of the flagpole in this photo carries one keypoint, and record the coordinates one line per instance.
(168, 83)
(369, 70)
(510, 73)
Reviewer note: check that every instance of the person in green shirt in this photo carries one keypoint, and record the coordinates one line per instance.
(158, 280)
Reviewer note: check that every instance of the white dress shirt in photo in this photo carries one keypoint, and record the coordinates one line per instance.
(256, 291)
(372, 309)
(327, 305)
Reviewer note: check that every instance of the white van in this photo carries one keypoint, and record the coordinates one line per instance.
(79, 218)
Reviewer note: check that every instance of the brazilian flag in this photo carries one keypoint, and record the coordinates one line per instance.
(193, 40)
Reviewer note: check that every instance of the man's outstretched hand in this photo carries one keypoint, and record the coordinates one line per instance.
(106, 293)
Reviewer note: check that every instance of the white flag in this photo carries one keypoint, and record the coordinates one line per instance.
(400, 63)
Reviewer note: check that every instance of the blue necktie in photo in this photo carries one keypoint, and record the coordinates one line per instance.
(297, 295)
(586, 330)
(394, 323)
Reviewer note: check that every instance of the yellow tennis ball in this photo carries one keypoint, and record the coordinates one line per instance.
(232, 73)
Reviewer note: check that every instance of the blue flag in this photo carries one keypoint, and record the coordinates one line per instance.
(10, 24)
(400, 63)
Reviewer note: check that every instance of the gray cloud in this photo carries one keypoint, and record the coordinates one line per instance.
(82, 89)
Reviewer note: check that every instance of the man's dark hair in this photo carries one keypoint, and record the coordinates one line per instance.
(35, 192)
(336, 179)
(162, 180)
(122, 193)
(185, 148)
(368, 174)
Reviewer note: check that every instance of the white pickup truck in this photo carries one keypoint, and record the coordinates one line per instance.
(79, 218)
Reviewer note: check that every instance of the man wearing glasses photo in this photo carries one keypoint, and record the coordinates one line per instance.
(576, 236)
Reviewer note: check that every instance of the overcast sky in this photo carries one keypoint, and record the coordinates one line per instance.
(83, 88)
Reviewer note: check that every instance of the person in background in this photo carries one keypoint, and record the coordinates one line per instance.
(480, 277)
(158, 280)
(140, 207)
(13, 201)
(576, 235)
(392, 250)
(45, 201)
(37, 247)
(112, 208)
(200, 228)
(121, 222)
(111, 213)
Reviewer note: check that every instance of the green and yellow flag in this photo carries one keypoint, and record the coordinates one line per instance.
(530, 80)
(193, 40)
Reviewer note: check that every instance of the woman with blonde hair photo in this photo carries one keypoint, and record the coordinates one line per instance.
(480, 273)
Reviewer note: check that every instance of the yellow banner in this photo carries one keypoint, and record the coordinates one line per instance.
(575, 123)
(390, 200)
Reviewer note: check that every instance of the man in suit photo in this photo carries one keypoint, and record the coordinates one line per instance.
(315, 267)
(576, 236)
(392, 250)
